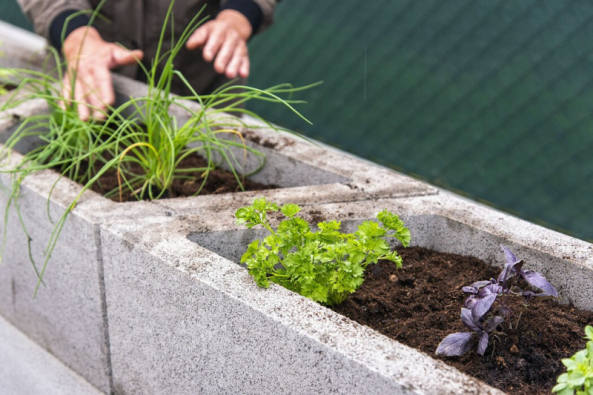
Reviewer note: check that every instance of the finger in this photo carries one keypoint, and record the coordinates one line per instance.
(104, 87)
(226, 52)
(80, 94)
(67, 93)
(123, 57)
(244, 69)
(239, 57)
(199, 37)
(96, 105)
(213, 44)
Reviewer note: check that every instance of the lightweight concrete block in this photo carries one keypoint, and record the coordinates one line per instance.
(184, 320)
(67, 317)
(182, 309)
(27, 369)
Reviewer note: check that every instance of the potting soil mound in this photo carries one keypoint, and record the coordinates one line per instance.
(420, 304)
(218, 181)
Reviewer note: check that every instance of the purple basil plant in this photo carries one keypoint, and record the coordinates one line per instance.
(487, 305)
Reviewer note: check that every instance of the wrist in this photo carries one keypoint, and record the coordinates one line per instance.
(238, 21)
(250, 9)
(64, 24)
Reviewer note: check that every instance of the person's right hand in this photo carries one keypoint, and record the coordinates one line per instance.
(89, 60)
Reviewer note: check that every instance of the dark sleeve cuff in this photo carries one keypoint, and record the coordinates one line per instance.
(57, 26)
(250, 9)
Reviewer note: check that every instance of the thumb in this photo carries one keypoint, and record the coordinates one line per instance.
(199, 37)
(123, 57)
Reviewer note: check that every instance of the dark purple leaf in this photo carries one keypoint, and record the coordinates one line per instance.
(470, 290)
(491, 323)
(455, 344)
(490, 289)
(466, 318)
(480, 284)
(482, 306)
(470, 302)
(483, 344)
(509, 256)
(528, 294)
(509, 271)
(517, 267)
(539, 281)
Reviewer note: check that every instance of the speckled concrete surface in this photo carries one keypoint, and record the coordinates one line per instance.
(184, 320)
(27, 369)
(181, 299)
(68, 317)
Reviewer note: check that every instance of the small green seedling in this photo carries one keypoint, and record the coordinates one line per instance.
(579, 376)
(325, 266)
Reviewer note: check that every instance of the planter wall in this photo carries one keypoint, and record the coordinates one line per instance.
(201, 325)
(68, 317)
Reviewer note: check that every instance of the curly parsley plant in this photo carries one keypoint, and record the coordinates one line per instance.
(326, 265)
(579, 376)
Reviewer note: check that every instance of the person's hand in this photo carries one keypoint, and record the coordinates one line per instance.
(225, 41)
(89, 60)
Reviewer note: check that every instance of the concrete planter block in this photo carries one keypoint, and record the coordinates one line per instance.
(27, 369)
(68, 317)
(185, 318)
(20, 48)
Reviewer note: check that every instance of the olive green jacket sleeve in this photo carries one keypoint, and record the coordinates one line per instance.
(43, 12)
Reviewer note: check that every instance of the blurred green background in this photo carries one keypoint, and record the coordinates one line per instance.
(489, 98)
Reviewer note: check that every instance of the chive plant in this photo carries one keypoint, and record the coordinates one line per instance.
(139, 134)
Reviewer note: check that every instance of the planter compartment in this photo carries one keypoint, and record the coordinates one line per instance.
(185, 318)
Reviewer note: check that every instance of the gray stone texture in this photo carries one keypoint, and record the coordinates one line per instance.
(27, 369)
(67, 317)
(208, 320)
(184, 320)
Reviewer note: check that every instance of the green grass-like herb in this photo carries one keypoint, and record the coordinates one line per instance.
(141, 132)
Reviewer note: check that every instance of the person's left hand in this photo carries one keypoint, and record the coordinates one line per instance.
(225, 41)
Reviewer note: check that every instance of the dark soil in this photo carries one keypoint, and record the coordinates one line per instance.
(316, 216)
(9, 87)
(258, 140)
(219, 181)
(420, 304)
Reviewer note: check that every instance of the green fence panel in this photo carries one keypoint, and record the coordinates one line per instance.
(490, 98)
(10, 12)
